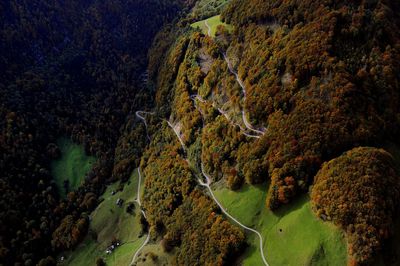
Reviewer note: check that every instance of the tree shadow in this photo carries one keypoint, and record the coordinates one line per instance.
(297, 204)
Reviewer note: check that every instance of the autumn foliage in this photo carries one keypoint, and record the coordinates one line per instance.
(322, 76)
(188, 221)
(359, 191)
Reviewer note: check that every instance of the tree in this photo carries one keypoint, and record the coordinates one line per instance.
(100, 262)
(359, 191)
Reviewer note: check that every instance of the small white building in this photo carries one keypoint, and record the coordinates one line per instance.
(119, 202)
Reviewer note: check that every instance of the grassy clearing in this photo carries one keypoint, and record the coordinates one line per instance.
(292, 236)
(124, 254)
(160, 257)
(73, 165)
(213, 22)
(109, 221)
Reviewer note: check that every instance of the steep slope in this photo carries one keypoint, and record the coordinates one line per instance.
(278, 94)
(311, 80)
(322, 76)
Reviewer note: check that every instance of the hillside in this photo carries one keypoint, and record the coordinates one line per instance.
(262, 132)
(287, 86)
(70, 69)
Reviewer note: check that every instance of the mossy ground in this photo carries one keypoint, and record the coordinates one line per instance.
(73, 165)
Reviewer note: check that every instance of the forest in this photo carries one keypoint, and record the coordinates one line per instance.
(322, 77)
(296, 97)
(179, 213)
(74, 69)
(342, 192)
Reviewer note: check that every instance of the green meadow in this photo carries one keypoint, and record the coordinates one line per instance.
(110, 221)
(73, 165)
(292, 235)
(213, 23)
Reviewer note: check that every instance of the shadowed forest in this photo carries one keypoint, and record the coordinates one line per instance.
(72, 68)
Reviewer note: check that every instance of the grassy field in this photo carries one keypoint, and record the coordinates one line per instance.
(162, 258)
(108, 221)
(292, 236)
(73, 165)
(213, 22)
(124, 254)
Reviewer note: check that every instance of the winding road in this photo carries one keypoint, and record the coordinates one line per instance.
(207, 185)
(208, 27)
(222, 112)
(177, 134)
(208, 180)
(249, 127)
(139, 114)
(241, 84)
(144, 214)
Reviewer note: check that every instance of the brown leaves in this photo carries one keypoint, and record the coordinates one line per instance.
(359, 191)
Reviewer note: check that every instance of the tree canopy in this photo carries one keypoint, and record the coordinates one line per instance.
(359, 191)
